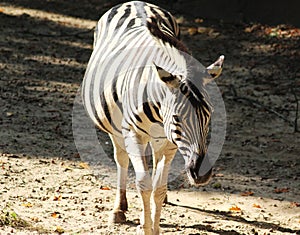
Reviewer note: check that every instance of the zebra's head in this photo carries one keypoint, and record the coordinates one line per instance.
(187, 120)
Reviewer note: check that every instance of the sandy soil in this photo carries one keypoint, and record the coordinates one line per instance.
(45, 188)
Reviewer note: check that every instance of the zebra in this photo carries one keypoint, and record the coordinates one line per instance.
(137, 89)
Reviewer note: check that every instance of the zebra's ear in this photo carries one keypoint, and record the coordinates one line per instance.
(214, 70)
(168, 78)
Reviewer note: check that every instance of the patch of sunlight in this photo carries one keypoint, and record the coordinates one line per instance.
(52, 86)
(15, 69)
(17, 40)
(44, 15)
(60, 41)
(278, 31)
(82, 45)
(263, 48)
(59, 86)
(256, 47)
(55, 61)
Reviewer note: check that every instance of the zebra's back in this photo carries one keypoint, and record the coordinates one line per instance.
(130, 40)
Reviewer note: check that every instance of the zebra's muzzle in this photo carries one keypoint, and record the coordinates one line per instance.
(198, 170)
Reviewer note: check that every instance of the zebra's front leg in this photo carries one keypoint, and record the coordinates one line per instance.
(160, 181)
(136, 146)
(145, 227)
(122, 161)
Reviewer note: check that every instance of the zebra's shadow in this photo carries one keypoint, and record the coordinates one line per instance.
(219, 215)
(224, 215)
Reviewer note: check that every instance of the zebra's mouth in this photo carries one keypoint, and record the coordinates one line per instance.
(196, 180)
(193, 171)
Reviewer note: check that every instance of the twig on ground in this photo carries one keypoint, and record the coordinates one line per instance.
(258, 104)
(297, 111)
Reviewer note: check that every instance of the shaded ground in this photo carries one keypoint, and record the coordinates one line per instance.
(44, 186)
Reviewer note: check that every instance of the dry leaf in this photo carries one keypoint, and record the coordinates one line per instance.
(212, 33)
(295, 204)
(248, 29)
(57, 198)
(59, 229)
(68, 168)
(105, 188)
(35, 219)
(281, 190)
(198, 20)
(76, 155)
(247, 193)
(203, 30)
(180, 20)
(235, 209)
(9, 114)
(219, 175)
(27, 204)
(54, 215)
(256, 205)
(84, 165)
(192, 31)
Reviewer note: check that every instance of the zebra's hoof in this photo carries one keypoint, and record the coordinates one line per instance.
(143, 231)
(118, 217)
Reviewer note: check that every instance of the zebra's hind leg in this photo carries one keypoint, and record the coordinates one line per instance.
(122, 161)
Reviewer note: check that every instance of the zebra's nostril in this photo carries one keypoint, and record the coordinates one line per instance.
(192, 169)
(192, 172)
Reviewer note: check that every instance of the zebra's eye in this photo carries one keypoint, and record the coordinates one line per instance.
(184, 89)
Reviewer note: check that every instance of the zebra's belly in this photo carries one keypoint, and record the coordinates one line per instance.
(110, 118)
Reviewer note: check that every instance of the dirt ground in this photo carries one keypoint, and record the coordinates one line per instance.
(46, 188)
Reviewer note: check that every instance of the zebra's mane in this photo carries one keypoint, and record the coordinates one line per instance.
(198, 97)
(196, 93)
(155, 29)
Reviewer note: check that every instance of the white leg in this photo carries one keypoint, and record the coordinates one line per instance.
(122, 161)
(135, 147)
(160, 181)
